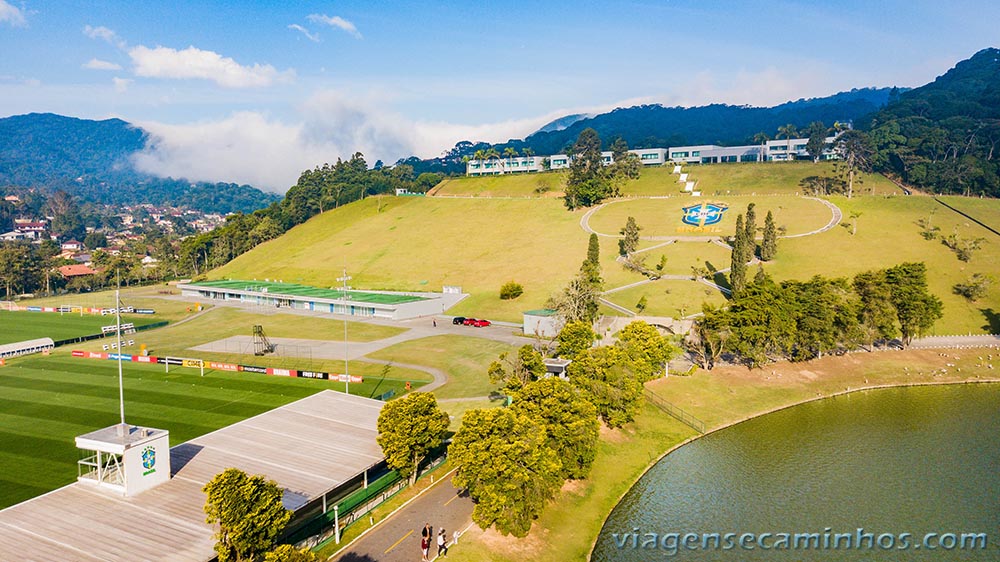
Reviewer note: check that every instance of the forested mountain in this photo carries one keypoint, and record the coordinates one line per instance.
(649, 126)
(945, 136)
(91, 160)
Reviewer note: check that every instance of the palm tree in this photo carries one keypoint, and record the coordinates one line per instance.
(492, 153)
(509, 153)
(788, 131)
(762, 138)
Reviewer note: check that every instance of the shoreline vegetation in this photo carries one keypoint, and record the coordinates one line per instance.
(728, 395)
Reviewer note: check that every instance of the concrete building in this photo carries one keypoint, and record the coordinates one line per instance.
(543, 322)
(381, 304)
(529, 164)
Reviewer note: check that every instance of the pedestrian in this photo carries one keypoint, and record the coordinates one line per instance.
(434, 320)
(455, 536)
(442, 543)
(427, 532)
(425, 547)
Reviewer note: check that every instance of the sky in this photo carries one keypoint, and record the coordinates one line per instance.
(256, 92)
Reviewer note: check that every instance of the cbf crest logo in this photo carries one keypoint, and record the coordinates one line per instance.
(149, 460)
(704, 214)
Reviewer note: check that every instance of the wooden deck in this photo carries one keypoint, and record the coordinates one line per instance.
(308, 447)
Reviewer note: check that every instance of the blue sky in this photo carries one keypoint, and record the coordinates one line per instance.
(258, 91)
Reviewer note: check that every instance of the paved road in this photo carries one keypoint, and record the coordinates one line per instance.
(397, 539)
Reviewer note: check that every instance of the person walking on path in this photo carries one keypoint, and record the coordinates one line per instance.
(455, 536)
(425, 547)
(442, 543)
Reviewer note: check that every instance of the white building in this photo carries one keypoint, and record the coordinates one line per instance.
(528, 164)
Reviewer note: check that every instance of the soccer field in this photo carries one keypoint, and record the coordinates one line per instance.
(20, 325)
(47, 401)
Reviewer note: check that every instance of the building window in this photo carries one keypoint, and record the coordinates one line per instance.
(650, 156)
(696, 153)
(678, 154)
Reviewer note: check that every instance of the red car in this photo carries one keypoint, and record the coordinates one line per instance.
(470, 321)
(481, 323)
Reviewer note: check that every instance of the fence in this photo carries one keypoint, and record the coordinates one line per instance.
(675, 412)
(80, 339)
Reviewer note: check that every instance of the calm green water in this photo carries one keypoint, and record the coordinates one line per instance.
(910, 460)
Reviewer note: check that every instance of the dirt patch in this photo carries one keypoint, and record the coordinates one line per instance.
(612, 435)
(574, 487)
(530, 547)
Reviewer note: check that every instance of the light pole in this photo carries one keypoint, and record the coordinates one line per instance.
(346, 297)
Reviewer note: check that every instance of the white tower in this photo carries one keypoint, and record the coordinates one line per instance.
(125, 458)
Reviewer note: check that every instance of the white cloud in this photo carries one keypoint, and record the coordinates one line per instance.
(12, 15)
(105, 34)
(250, 147)
(121, 84)
(336, 21)
(314, 37)
(164, 62)
(97, 64)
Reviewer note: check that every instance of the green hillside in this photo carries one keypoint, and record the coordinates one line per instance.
(481, 242)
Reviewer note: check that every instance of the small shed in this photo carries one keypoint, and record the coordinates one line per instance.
(544, 322)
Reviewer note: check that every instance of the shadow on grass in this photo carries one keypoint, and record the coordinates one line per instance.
(992, 320)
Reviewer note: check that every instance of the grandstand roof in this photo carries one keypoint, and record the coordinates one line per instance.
(309, 447)
(274, 288)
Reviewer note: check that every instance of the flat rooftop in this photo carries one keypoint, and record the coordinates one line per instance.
(308, 447)
(273, 288)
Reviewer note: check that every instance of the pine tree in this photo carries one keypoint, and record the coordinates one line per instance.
(751, 229)
(591, 268)
(761, 276)
(594, 249)
(769, 246)
(738, 269)
(630, 241)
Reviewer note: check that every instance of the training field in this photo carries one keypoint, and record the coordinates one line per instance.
(47, 401)
(20, 325)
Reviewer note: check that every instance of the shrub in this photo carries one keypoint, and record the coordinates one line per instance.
(511, 290)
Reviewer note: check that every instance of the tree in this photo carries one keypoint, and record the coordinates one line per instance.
(629, 241)
(594, 249)
(288, 553)
(710, 335)
(504, 462)
(975, 287)
(587, 183)
(762, 319)
(574, 338)
(788, 131)
(248, 511)
(511, 290)
(751, 229)
(963, 247)
(20, 268)
(607, 383)
(761, 138)
(738, 267)
(642, 304)
(513, 372)
(916, 308)
(408, 428)
(856, 152)
(591, 267)
(769, 245)
(578, 300)
(94, 240)
(569, 420)
(876, 313)
(817, 140)
(644, 350)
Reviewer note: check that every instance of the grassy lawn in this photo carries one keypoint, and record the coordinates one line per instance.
(457, 407)
(423, 243)
(546, 184)
(463, 358)
(568, 527)
(46, 401)
(668, 297)
(662, 217)
(19, 325)
(983, 210)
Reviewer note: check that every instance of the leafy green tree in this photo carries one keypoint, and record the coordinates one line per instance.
(511, 290)
(591, 267)
(587, 183)
(711, 334)
(248, 511)
(569, 420)
(20, 268)
(876, 313)
(608, 384)
(408, 428)
(94, 240)
(769, 245)
(762, 320)
(504, 462)
(594, 249)
(826, 317)
(916, 308)
(629, 242)
(513, 372)
(817, 140)
(963, 247)
(574, 338)
(644, 350)
(790, 132)
(288, 553)
(642, 304)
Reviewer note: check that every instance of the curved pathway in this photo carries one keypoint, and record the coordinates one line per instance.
(836, 215)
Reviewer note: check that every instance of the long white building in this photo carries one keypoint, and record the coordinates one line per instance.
(771, 151)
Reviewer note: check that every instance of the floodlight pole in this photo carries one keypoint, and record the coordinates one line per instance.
(118, 331)
(346, 297)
